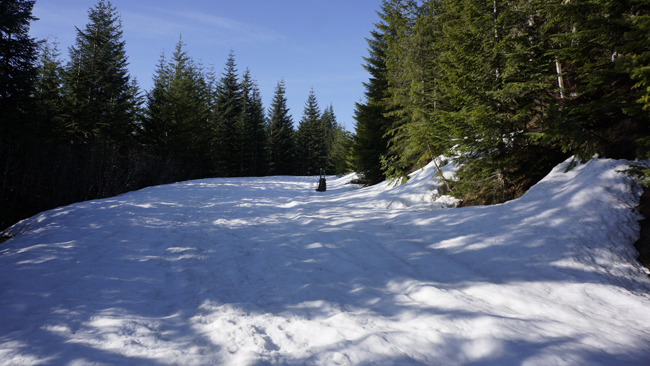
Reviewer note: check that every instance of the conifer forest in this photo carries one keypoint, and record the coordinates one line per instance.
(506, 88)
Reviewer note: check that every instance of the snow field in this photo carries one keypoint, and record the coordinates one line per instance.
(266, 271)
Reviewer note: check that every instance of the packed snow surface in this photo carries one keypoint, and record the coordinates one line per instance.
(266, 271)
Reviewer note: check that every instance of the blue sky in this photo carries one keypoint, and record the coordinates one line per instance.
(309, 43)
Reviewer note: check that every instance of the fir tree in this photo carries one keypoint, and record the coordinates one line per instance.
(251, 129)
(49, 92)
(97, 81)
(228, 113)
(259, 164)
(177, 118)
(593, 41)
(341, 149)
(18, 53)
(329, 126)
(311, 139)
(280, 134)
(372, 124)
(495, 80)
(415, 136)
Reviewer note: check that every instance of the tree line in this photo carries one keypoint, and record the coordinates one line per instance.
(508, 88)
(83, 129)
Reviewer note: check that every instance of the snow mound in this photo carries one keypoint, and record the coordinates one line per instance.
(266, 271)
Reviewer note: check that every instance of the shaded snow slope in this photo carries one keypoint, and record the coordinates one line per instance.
(266, 271)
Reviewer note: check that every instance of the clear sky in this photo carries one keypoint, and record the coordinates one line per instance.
(309, 43)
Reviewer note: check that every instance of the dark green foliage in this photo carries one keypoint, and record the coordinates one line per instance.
(495, 76)
(328, 124)
(340, 153)
(228, 113)
(53, 154)
(251, 130)
(600, 45)
(311, 139)
(97, 83)
(18, 54)
(370, 142)
(338, 144)
(177, 124)
(280, 132)
(509, 87)
(638, 57)
(49, 92)
(18, 133)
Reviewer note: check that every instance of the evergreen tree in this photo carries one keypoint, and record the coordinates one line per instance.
(49, 92)
(259, 164)
(417, 137)
(243, 127)
(637, 59)
(311, 139)
(638, 56)
(97, 80)
(251, 129)
(18, 53)
(177, 119)
(341, 150)
(492, 81)
(372, 123)
(329, 126)
(228, 113)
(593, 42)
(280, 134)
(18, 132)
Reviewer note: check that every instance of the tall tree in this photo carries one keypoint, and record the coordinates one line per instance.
(372, 122)
(594, 41)
(280, 132)
(329, 126)
(227, 114)
(18, 53)
(259, 164)
(97, 80)
(176, 124)
(251, 129)
(311, 138)
(340, 153)
(49, 92)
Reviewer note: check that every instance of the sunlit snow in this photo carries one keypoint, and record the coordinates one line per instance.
(266, 271)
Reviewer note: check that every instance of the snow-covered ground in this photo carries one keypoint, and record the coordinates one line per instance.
(266, 271)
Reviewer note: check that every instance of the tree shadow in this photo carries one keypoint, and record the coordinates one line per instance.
(237, 271)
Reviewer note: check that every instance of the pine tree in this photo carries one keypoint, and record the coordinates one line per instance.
(18, 53)
(49, 92)
(341, 150)
(97, 80)
(593, 41)
(637, 60)
(415, 136)
(372, 123)
(177, 119)
(311, 139)
(494, 80)
(227, 114)
(280, 134)
(259, 164)
(329, 126)
(251, 131)
(18, 132)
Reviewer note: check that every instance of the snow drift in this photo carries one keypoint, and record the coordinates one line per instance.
(266, 271)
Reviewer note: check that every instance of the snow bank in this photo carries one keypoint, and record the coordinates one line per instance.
(266, 271)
